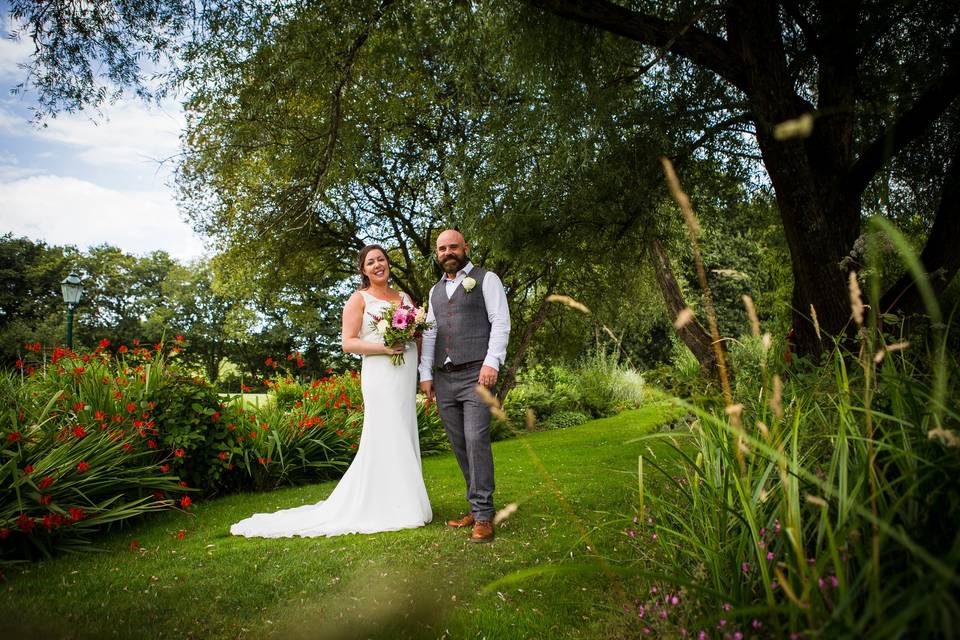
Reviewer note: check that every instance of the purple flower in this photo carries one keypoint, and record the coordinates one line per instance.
(631, 533)
(674, 600)
(770, 555)
(702, 635)
(727, 606)
(737, 636)
(745, 567)
(756, 624)
(763, 531)
(776, 526)
(663, 613)
(774, 586)
(834, 582)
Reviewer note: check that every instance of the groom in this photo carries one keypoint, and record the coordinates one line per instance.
(465, 347)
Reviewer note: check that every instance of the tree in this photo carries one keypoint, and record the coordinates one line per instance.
(876, 76)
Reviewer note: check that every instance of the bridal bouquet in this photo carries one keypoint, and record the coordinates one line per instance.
(400, 323)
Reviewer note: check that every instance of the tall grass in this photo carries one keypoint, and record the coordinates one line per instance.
(822, 503)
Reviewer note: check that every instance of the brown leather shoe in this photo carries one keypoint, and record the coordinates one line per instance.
(482, 531)
(465, 521)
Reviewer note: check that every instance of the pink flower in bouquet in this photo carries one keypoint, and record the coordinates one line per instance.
(399, 320)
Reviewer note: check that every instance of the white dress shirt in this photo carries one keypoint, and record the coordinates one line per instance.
(495, 299)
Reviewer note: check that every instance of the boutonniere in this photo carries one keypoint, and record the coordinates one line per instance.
(468, 284)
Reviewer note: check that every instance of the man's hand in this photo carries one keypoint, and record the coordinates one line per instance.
(426, 386)
(488, 376)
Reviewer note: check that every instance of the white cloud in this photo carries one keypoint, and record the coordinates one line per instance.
(64, 210)
(13, 53)
(132, 133)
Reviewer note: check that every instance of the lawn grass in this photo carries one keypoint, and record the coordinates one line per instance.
(427, 582)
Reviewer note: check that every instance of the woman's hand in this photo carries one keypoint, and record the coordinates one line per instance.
(395, 349)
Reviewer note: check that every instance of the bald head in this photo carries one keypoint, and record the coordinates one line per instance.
(451, 251)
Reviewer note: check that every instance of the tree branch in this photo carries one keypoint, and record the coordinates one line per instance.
(683, 39)
(905, 129)
(940, 257)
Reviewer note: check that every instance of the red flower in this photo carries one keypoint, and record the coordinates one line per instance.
(182, 484)
(99, 415)
(127, 447)
(262, 461)
(179, 452)
(52, 520)
(19, 363)
(339, 432)
(230, 467)
(158, 346)
(82, 466)
(215, 417)
(181, 534)
(223, 455)
(152, 444)
(122, 349)
(329, 370)
(231, 426)
(134, 545)
(353, 446)
(159, 495)
(268, 362)
(185, 502)
(131, 407)
(46, 482)
(164, 468)
(46, 498)
(4, 533)
(28, 469)
(77, 514)
(79, 431)
(135, 341)
(13, 437)
(78, 370)
(25, 523)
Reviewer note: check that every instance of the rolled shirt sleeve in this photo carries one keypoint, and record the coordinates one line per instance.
(428, 342)
(498, 314)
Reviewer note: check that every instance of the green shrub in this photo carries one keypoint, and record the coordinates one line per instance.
(564, 419)
(598, 387)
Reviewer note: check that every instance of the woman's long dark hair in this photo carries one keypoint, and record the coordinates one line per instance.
(364, 280)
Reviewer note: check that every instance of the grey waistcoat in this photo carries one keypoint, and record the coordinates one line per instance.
(463, 330)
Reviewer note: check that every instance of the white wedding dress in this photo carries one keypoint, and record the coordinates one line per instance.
(383, 488)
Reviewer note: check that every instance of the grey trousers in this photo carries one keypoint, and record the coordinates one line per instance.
(466, 420)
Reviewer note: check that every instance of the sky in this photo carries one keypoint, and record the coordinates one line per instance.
(86, 181)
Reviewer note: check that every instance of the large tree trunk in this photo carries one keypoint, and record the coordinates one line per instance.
(820, 221)
(692, 333)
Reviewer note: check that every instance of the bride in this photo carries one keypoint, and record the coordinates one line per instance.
(383, 488)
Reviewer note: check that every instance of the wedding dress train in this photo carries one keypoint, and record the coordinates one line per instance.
(383, 488)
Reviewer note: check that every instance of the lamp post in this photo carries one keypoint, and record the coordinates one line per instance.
(72, 290)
